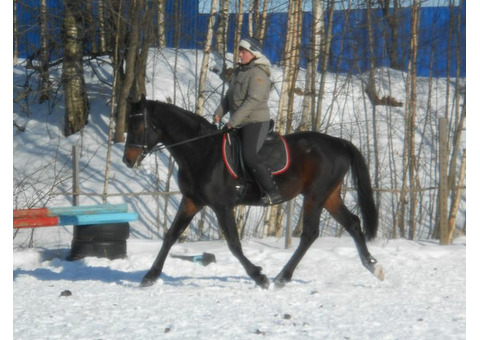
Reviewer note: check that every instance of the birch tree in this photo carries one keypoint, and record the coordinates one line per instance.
(312, 66)
(128, 81)
(76, 101)
(290, 60)
(206, 57)
(15, 33)
(160, 8)
(263, 22)
(133, 60)
(44, 54)
(238, 29)
(146, 38)
(290, 72)
(103, 43)
(325, 55)
(413, 171)
(91, 27)
(409, 174)
(222, 25)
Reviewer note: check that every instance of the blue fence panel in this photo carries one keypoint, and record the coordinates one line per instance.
(349, 50)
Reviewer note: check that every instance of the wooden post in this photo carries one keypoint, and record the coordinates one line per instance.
(443, 185)
(75, 185)
(288, 230)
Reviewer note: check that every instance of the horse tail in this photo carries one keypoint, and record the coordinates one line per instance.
(361, 177)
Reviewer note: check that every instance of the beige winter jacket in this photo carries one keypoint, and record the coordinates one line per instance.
(247, 95)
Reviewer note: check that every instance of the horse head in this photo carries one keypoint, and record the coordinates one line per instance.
(142, 136)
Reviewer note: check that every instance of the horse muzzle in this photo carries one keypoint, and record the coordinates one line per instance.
(133, 157)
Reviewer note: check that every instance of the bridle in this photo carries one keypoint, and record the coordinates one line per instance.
(144, 147)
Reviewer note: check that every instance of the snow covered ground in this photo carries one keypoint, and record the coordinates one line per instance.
(331, 296)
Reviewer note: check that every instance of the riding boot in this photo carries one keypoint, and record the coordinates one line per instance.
(263, 176)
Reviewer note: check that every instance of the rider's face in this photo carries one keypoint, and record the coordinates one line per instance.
(245, 56)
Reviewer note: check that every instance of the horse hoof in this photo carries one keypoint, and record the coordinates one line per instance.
(378, 272)
(280, 282)
(147, 282)
(263, 282)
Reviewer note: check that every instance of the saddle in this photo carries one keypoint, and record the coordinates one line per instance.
(274, 153)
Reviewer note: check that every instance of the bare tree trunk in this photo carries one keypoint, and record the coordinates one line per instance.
(278, 221)
(117, 66)
(295, 62)
(76, 100)
(221, 34)
(171, 167)
(142, 58)
(103, 33)
(409, 176)
(287, 70)
(15, 33)
(312, 65)
(44, 53)
(131, 59)
(263, 24)
(393, 20)
(413, 118)
(371, 88)
(91, 27)
(161, 39)
(459, 114)
(240, 219)
(325, 55)
(251, 21)
(285, 108)
(116, 39)
(206, 57)
(456, 199)
(238, 30)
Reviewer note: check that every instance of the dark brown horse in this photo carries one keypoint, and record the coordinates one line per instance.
(318, 166)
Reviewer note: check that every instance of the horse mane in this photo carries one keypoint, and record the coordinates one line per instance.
(193, 120)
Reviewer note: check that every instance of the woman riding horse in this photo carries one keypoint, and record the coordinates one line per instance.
(247, 102)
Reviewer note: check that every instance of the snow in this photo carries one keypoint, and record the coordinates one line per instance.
(331, 296)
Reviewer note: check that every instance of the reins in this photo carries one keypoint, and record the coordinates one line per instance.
(163, 146)
(144, 147)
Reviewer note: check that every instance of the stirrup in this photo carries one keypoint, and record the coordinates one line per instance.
(272, 198)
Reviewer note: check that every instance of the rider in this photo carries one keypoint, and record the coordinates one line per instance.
(247, 102)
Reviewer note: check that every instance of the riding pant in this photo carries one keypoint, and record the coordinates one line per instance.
(253, 136)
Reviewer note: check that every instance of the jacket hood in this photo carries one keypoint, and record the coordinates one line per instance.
(262, 61)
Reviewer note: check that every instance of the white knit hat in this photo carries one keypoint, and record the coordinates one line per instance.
(252, 45)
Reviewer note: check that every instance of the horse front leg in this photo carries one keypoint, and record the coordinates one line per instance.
(311, 220)
(227, 223)
(185, 214)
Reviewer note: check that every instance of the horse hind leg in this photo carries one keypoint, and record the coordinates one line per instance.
(351, 223)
